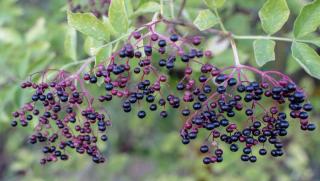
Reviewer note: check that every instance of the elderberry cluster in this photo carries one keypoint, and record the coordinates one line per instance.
(218, 112)
(63, 119)
(148, 79)
(223, 102)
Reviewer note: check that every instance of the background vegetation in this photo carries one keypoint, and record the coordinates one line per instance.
(34, 35)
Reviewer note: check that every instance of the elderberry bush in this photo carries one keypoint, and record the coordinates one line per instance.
(211, 100)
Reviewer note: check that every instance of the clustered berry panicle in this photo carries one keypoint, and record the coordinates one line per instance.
(243, 113)
(65, 118)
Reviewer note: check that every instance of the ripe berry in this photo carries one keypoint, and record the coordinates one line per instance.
(206, 160)
(185, 141)
(148, 50)
(307, 107)
(219, 159)
(246, 150)
(220, 78)
(204, 149)
(241, 88)
(221, 89)
(109, 86)
(153, 107)
(174, 38)
(234, 147)
(185, 58)
(262, 151)
(64, 157)
(244, 157)
(93, 79)
(185, 112)
(141, 114)
(197, 106)
(162, 43)
(253, 159)
(256, 124)
(224, 122)
(232, 82)
(163, 114)
(311, 127)
(104, 137)
(14, 123)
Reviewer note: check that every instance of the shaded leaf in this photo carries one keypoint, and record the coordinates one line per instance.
(205, 20)
(292, 65)
(308, 58)
(308, 19)
(273, 15)
(316, 41)
(264, 51)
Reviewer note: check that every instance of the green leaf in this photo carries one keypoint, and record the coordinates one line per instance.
(312, 38)
(24, 64)
(8, 35)
(308, 20)
(36, 31)
(316, 41)
(206, 19)
(273, 15)
(148, 7)
(167, 8)
(238, 19)
(91, 46)
(308, 59)
(129, 7)
(106, 21)
(70, 43)
(214, 3)
(89, 25)
(264, 51)
(292, 65)
(103, 54)
(118, 16)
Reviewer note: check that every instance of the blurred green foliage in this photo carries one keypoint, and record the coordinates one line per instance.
(33, 37)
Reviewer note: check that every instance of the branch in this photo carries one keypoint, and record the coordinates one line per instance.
(183, 3)
(235, 53)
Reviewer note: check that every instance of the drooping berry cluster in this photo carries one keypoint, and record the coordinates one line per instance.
(63, 118)
(260, 103)
(135, 76)
(245, 114)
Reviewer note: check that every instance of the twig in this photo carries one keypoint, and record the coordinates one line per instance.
(183, 3)
(235, 52)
